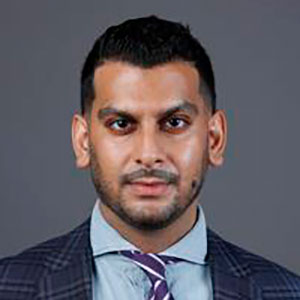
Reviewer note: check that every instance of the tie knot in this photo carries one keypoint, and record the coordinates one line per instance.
(153, 264)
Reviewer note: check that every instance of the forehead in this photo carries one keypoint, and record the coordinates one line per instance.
(125, 85)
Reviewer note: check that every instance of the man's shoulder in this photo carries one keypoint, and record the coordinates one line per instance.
(262, 272)
(23, 271)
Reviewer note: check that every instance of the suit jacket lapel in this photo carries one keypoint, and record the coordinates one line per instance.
(228, 271)
(71, 265)
(228, 287)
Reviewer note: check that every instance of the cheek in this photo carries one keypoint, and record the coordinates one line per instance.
(190, 154)
(190, 160)
(110, 157)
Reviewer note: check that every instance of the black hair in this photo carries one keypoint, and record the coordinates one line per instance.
(147, 42)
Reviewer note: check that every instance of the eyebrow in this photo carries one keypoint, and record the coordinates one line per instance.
(184, 106)
(102, 113)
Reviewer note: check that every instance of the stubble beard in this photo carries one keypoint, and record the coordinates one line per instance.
(136, 216)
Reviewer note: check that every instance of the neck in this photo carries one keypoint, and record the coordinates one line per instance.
(154, 241)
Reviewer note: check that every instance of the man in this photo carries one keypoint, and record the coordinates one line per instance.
(148, 130)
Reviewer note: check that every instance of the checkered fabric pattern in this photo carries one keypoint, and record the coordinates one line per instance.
(61, 269)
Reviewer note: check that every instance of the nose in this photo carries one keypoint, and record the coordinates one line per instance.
(148, 149)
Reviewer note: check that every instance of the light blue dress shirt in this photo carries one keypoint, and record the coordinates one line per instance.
(117, 277)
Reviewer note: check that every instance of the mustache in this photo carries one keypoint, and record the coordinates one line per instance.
(168, 177)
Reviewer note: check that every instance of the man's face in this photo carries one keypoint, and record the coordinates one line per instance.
(148, 141)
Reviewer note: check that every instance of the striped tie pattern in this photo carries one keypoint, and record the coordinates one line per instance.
(154, 266)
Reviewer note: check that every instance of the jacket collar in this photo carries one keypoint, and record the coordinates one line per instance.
(70, 265)
(229, 271)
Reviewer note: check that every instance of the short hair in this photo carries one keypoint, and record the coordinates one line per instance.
(147, 42)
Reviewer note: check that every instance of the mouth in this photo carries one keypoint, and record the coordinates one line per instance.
(149, 187)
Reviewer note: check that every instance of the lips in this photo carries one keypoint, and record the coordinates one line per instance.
(149, 187)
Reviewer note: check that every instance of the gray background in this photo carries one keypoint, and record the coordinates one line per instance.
(254, 45)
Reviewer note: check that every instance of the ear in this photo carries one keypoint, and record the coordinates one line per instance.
(217, 138)
(80, 141)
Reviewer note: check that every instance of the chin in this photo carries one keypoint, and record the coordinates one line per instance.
(149, 214)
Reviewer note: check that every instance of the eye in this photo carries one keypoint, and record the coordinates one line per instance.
(175, 124)
(121, 125)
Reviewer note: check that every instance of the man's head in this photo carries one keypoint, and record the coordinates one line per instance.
(149, 128)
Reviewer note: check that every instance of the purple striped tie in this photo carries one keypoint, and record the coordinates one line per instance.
(154, 266)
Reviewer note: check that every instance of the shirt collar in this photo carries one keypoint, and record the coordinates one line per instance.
(105, 239)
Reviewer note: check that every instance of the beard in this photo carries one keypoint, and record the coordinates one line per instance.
(135, 215)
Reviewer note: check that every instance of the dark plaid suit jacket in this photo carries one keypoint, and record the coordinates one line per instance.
(61, 269)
